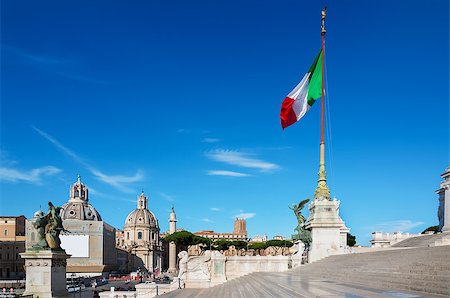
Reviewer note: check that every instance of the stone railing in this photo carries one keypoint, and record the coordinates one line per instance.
(213, 268)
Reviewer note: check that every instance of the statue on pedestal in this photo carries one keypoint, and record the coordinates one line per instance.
(302, 234)
(49, 227)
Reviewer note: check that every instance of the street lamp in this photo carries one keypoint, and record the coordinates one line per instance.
(73, 285)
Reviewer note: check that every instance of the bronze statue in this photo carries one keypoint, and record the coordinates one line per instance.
(298, 212)
(49, 227)
(302, 234)
(39, 224)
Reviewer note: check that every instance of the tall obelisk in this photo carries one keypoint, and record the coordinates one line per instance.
(328, 231)
(172, 247)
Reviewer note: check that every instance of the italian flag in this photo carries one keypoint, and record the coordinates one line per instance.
(304, 95)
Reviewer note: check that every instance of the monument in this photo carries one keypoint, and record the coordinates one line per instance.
(444, 202)
(172, 246)
(328, 231)
(45, 262)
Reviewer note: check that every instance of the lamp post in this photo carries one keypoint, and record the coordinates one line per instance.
(73, 287)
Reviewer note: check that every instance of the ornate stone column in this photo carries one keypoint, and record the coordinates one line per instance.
(172, 247)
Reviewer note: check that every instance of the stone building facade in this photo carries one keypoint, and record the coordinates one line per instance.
(239, 233)
(12, 242)
(140, 238)
(89, 239)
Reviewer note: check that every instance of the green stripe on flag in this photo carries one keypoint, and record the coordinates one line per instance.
(315, 83)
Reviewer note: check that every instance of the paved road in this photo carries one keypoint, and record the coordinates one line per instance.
(89, 291)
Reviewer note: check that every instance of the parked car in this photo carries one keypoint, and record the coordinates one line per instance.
(99, 282)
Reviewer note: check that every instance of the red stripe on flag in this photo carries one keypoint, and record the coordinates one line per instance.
(287, 114)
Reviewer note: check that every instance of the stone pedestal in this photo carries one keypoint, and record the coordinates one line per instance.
(45, 273)
(328, 231)
(218, 274)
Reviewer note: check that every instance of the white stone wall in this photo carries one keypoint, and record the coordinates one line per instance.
(380, 239)
(241, 265)
(444, 202)
(214, 268)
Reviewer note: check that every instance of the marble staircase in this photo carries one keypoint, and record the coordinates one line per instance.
(422, 269)
(406, 272)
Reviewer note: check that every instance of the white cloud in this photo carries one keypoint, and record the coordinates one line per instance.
(207, 220)
(117, 181)
(183, 130)
(395, 226)
(215, 209)
(211, 140)
(166, 197)
(241, 159)
(245, 215)
(33, 176)
(227, 173)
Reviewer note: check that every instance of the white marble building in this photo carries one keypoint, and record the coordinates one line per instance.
(444, 202)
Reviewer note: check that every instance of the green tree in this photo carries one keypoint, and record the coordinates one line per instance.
(258, 245)
(281, 243)
(434, 229)
(185, 238)
(264, 245)
(239, 244)
(351, 240)
(222, 244)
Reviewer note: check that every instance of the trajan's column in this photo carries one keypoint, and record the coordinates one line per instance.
(172, 247)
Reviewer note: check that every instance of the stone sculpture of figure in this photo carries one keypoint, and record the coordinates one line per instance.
(39, 224)
(199, 268)
(182, 265)
(53, 227)
(48, 227)
(298, 212)
(302, 234)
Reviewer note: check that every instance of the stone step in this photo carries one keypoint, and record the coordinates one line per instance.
(415, 285)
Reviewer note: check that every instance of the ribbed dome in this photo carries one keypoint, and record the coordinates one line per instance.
(141, 217)
(79, 210)
(78, 207)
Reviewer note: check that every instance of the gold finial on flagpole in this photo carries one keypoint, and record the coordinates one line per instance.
(324, 15)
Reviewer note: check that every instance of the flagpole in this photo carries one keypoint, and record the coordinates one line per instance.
(322, 190)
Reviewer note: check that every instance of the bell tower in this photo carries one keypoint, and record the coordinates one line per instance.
(79, 191)
(142, 201)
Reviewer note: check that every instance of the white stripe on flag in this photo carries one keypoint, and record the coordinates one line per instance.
(300, 94)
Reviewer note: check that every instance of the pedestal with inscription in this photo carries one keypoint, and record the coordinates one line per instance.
(45, 273)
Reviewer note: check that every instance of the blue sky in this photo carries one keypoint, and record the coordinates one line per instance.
(181, 100)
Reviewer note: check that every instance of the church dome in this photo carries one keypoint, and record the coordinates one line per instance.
(141, 216)
(38, 213)
(78, 206)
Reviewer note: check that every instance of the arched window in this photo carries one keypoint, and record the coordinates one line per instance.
(128, 235)
(32, 236)
(139, 235)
